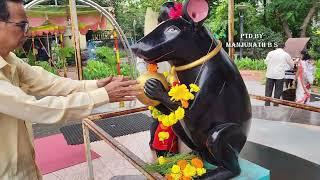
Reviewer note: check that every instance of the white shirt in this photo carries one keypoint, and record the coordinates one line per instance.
(64, 100)
(278, 61)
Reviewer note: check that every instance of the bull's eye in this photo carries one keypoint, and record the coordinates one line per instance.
(172, 29)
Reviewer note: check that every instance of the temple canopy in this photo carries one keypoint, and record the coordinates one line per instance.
(54, 20)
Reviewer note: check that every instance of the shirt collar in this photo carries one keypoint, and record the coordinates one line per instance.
(3, 62)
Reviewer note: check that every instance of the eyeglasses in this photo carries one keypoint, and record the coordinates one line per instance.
(23, 25)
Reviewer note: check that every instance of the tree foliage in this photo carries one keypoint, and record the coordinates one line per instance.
(130, 16)
(218, 19)
(277, 19)
(315, 43)
(290, 14)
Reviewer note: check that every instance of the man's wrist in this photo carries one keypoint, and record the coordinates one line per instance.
(99, 96)
(91, 85)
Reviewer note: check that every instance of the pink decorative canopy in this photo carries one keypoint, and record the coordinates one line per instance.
(56, 25)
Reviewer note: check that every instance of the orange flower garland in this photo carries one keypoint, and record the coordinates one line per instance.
(152, 68)
(186, 170)
(196, 162)
(182, 163)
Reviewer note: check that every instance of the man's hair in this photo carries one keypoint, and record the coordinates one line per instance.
(305, 54)
(4, 12)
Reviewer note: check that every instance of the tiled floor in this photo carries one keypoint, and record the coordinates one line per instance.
(110, 163)
(288, 137)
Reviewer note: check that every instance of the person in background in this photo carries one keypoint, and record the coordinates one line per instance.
(277, 61)
(305, 78)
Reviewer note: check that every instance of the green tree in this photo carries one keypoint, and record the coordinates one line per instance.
(294, 16)
(126, 13)
(315, 44)
(104, 3)
(218, 19)
(154, 4)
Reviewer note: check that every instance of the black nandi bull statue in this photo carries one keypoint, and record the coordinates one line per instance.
(217, 122)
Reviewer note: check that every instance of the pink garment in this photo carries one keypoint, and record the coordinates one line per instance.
(305, 77)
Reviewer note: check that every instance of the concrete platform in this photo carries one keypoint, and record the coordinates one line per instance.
(250, 171)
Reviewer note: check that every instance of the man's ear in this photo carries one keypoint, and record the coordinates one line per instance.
(196, 11)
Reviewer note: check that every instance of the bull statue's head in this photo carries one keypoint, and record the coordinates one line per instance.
(180, 37)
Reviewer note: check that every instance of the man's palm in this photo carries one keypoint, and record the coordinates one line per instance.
(122, 90)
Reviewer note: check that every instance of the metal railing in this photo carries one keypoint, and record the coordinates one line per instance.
(287, 103)
(88, 124)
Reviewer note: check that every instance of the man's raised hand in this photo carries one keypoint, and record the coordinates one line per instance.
(123, 90)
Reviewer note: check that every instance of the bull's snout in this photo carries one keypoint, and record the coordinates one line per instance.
(139, 47)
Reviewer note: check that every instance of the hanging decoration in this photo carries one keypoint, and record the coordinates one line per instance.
(54, 19)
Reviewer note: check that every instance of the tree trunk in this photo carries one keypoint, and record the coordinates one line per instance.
(285, 24)
(231, 27)
(264, 9)
(286, 28)
(308, 18)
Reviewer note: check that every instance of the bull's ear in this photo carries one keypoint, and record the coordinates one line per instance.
(196, 11)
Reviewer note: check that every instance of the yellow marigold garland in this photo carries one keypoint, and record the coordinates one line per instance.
(186, 170)
(194, 88)
(177, 93)
(180, 166)
(180, 93)
(189, 171)
(162, 160)
(175, 169)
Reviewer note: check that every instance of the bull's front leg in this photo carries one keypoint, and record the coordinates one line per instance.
(155, 90)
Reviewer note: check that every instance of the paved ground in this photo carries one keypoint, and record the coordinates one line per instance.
(255, 88)
(110, 165)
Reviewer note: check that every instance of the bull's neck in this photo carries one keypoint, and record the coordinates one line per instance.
(190, 75)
